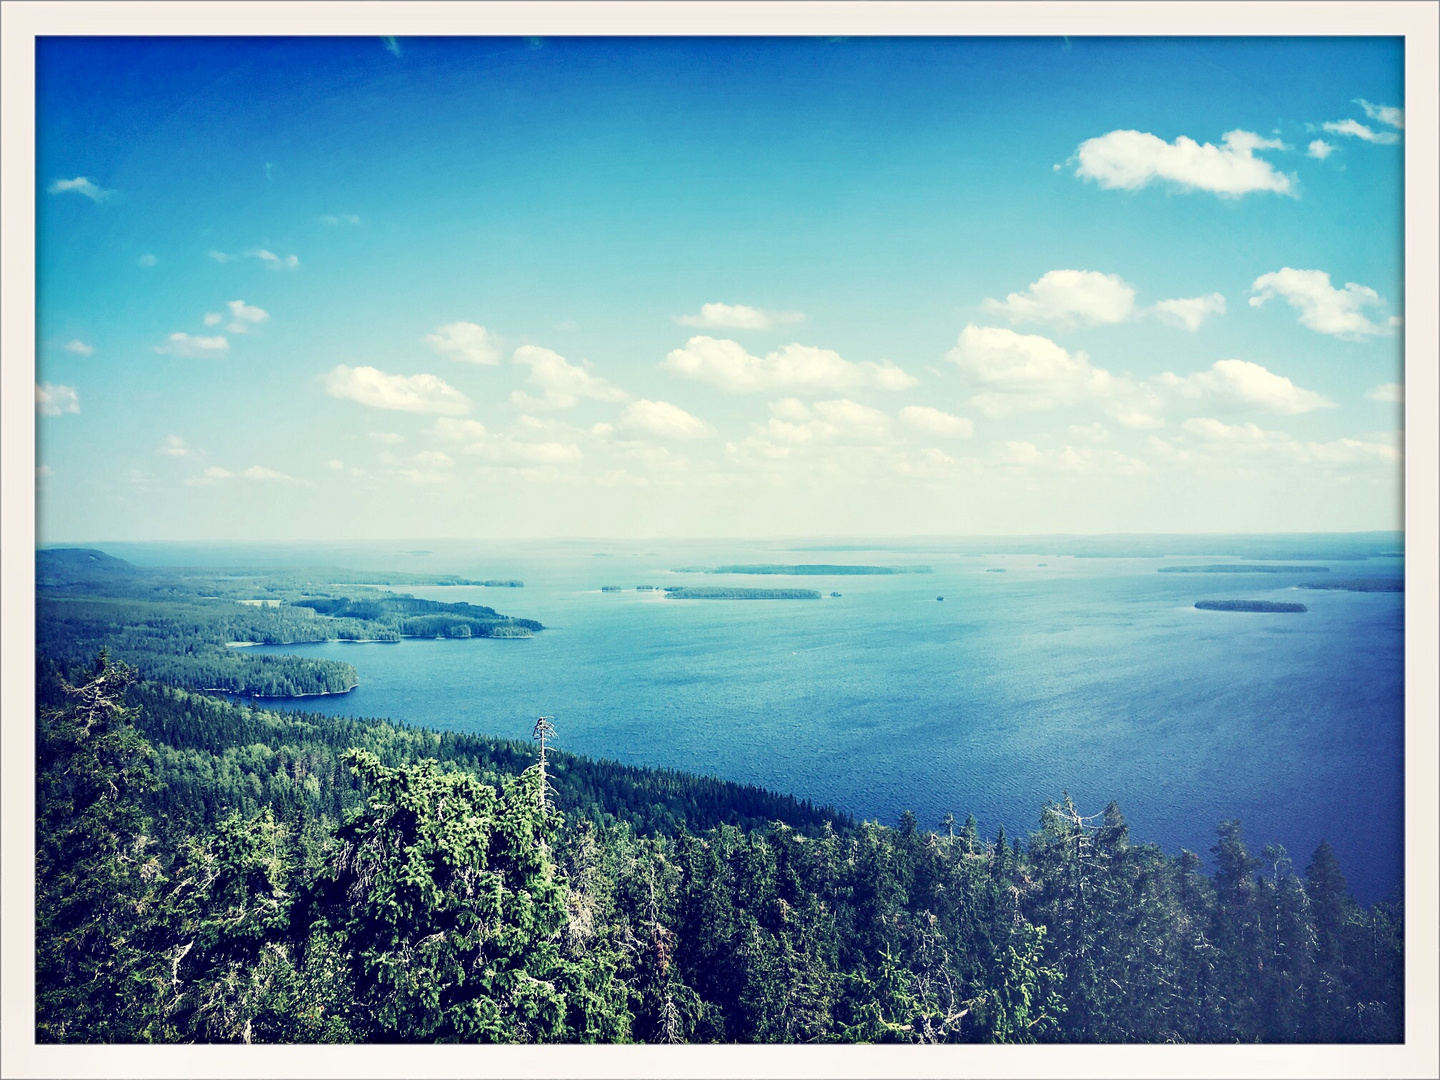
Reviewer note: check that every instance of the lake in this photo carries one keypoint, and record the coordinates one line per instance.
(1095, 675)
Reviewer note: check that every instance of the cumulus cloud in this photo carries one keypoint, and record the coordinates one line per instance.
(662, 419)
(466, 341)
(243, 317)
(739, 317)
(1239, 382)
(563, 383)
(269, 476)
(1069, 296)
(1386, 114)
(1218, 437)
(79, 348)
(1322, 307)
(935, 422)
(1357, 130)
(794, 424)
(81, 185)
(1392, 393)
(173, 446)
(403, 393)
(52, 400)
(1018, 373)
(1319, 149)
(1132, 159)
(183, 344)
(1189, 313)
(798, 368)
(276, 262)
(457, 431)
(213, 318)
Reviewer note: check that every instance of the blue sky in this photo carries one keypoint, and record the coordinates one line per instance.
(350, 288)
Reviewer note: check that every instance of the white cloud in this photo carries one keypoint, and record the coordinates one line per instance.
(148, 260)
(1322, 307)
(81, 185)
(739, 317)
(387, 438)
(269, 476)
(563, 383)
(466, 341)
(1386, 114)
(1209, 428)
(796, 425)
(1239, 382)
(506, 449)
(213, 318)
(52, 400)
(1026, 372)
(457, 431)
(339, 219)
(276, 262)
(1359, 131)
(79, 348)
(243, 316)
(182, 344)
(1069, 296)
(1218, 437)
(1132, 159)
(1320, 149)
(662, 419)
(173, 446)
(934, 422)
(435, 458)
(800, 368)
(336, 463)
(402, 393)
(221, 257)
(1392, 393)
(1189, 313)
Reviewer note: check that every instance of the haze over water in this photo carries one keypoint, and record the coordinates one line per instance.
(1092, 675)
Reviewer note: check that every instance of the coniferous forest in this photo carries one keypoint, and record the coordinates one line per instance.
(216, 872)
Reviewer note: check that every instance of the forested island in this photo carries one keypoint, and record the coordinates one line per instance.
(805, 569)
(178, 625)
(1243, 568)
(1371, 584)
(216, 872)
(705, 592)
(1258, 606)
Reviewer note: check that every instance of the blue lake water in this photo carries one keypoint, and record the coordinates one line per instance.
(1092, 675)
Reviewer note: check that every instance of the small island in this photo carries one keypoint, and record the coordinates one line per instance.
(1243, 568)
(681, 592)
(1258, 606)
(995, 570)
(610, 588)
(1376, 584)
(804, 569)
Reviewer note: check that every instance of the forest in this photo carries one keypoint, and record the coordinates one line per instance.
(216, 872)
(180, 625)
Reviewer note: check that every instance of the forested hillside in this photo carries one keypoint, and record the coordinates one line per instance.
(179, 625)
(215, 872)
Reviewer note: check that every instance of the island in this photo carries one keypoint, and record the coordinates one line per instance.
(682, 592)
(804, 569)
(611, 588)
(1260, 606)
(1376, 584)
(995, 570)
(1243, 568)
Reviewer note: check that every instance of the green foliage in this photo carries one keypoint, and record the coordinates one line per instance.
(179, 626)
(268, 877)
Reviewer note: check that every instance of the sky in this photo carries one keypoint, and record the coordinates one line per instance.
(374, 288)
